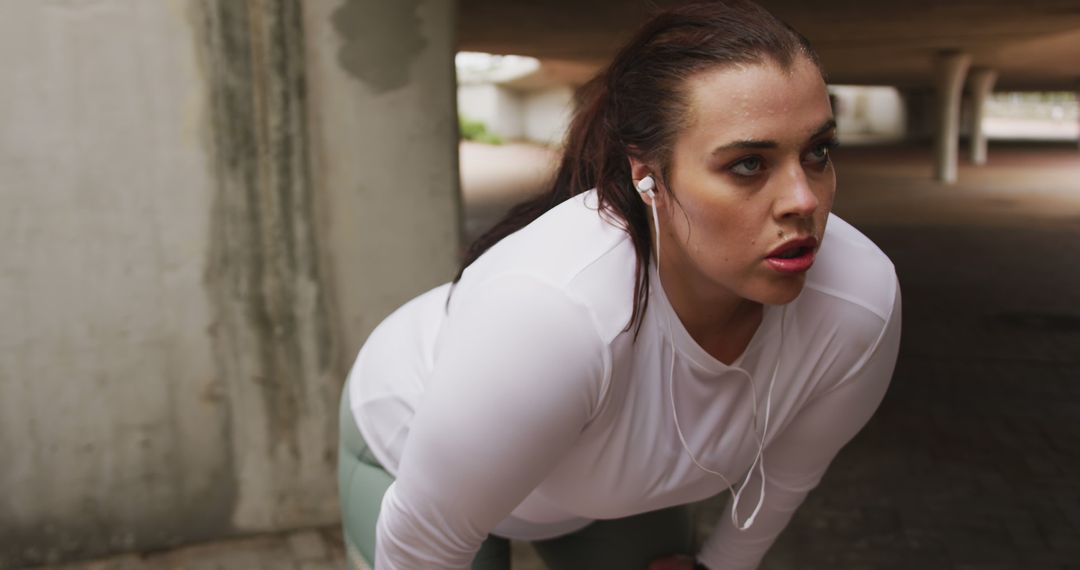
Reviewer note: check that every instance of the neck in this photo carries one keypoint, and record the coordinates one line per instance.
(717, 319)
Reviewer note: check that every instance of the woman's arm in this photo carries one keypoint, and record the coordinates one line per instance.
(797, 459)
(518, 376)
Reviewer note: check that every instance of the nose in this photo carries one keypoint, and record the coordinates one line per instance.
(798, 199)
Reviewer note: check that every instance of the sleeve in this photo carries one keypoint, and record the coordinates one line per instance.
(797, 459)
(518, 376)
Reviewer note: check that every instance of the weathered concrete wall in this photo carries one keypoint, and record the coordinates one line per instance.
(868, 113)
(272, 332)
(497, 107)
(540, 115)
(919, 123)
(547, 114)
(114, 418)
(385, 137)
(205, 211)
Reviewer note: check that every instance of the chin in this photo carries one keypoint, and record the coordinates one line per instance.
(782, 293)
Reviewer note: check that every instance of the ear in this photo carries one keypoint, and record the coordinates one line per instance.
(638, 170)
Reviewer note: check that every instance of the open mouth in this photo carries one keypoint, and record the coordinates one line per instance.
(794, 257)
(794, 252)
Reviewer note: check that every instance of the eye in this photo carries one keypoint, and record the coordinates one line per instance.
(819, 154)
(748, 166)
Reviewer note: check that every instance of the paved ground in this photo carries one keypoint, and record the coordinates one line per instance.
(973, 460)
(309, 549)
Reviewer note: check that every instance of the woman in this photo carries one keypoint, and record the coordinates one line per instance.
(672, 320)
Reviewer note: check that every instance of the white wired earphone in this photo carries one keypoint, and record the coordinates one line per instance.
(646, 186)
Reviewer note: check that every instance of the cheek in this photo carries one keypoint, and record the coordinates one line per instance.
(827, 192)
(722, 234)
(826, 206)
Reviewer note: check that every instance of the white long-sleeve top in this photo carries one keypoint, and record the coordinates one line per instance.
(525, 408)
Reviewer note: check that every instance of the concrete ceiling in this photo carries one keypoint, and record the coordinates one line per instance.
(1033, 44)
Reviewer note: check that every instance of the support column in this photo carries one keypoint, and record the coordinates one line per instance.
(950, 69)
(1078, 114)
(383, 99)
(981, 82)
(919, 115)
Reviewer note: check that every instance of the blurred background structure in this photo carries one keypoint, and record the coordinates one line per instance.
(207, 205)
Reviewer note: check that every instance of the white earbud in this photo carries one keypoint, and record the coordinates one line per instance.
(646, 185)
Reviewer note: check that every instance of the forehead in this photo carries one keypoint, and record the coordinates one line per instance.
(757, 101)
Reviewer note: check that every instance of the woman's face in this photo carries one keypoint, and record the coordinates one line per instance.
(750, 183)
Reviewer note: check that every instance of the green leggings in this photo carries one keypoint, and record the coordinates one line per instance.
(629, 543)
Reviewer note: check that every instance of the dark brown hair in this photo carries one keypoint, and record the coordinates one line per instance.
(637, 106)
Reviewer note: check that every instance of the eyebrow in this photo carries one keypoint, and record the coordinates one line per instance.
(751, 143)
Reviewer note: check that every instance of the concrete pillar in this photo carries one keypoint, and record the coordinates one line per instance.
(207, 204)
(919, 108)
(115, 425)
(385, 135)
(272, 296)
(981, 83)
(1078, 115)
(950, 69)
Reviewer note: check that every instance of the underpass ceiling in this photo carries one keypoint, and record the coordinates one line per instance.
(1033, 44)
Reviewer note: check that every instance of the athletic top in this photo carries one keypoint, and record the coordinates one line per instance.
(524, 407)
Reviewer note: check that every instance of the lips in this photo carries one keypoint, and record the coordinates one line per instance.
(793, 256)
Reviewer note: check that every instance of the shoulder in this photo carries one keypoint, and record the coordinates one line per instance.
(852, 269)
(573, 249)
(850, 301)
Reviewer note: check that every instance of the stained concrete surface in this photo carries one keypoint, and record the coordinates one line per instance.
(973, 459)
(192, 202)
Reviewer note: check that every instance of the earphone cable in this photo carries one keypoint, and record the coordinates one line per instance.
(759, 459)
